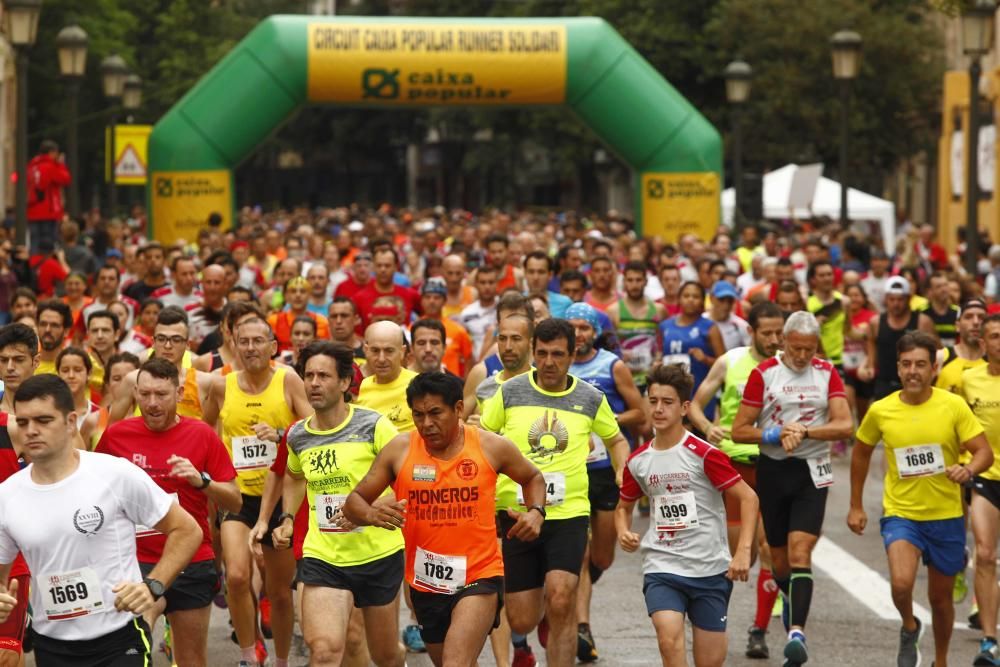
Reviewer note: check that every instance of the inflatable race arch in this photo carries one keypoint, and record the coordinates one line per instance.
(288, 61)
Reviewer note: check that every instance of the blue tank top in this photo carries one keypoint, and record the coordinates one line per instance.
(493, 365)
(678, 341)
(599, 373)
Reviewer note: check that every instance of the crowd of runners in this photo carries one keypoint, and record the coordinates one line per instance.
(316, 417)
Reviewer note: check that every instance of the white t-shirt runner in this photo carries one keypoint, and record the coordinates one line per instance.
(687, 523)
(78, 538)
(785, 396)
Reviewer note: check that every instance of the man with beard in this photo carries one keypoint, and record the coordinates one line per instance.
(968, 351)
(730, 373)
(154, 278)
(54, 321)
(611, 377)
(637, 320)
(427, 339)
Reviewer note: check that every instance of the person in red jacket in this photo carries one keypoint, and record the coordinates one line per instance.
(47, 176)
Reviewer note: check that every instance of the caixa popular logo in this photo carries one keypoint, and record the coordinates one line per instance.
(88, 520)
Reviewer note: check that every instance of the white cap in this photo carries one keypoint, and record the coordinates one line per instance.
(897, 285)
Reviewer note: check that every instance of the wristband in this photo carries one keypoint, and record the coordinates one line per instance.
(285, 515)
(770, 435)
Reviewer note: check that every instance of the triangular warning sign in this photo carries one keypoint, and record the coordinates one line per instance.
(129, 165)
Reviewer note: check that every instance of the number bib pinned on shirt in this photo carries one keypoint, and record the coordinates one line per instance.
(676, 511)
(439, 573)
(327, 509)
(555, 489)
(71, 594)
(252, 453)
(821, 471)
(682, 359)
(919, 461)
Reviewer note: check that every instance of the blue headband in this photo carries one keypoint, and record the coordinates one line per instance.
(583, 311)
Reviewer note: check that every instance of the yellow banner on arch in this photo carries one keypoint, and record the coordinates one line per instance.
(430, 64)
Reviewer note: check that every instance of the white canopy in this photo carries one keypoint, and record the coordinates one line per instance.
(826, 201)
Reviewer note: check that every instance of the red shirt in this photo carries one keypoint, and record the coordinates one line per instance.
(190, 438)
(301, 525)
(349, 288)
(365, 299)
(48, 272)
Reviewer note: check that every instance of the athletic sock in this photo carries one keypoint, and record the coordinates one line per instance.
(782, 584)
(800, 596)
(797, 634)
(249, 654)
(767, 592)
(519, 641)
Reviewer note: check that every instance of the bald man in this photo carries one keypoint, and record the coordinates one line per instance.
(205, 317)
(459, 295)
(385, 390)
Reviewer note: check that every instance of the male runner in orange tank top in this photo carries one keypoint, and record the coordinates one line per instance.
(444, 477)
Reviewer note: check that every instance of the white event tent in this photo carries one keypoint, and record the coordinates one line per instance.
(861, 206)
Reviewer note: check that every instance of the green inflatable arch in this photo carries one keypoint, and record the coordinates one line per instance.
(288, 61)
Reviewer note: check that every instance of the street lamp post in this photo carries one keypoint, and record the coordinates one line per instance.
(113, 74)
(738, 78)
(71, 43)
(20, 18)
(977, 40)
(846, 48)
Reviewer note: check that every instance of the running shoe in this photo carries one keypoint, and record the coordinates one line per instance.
(757, 643)
(989, 654)
(974, 623)
(412, 640)
(261, 649)
(586, 650)
(795, 650)
(543, 632)
(244, 663)
(265, 617)
(961, 588)
(909, 646)
(523, 657)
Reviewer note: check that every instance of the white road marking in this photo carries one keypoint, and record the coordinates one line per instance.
(863, 583)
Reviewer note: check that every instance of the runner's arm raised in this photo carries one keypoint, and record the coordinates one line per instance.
(703, 396)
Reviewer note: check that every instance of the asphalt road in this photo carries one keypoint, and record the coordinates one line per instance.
(852, 622)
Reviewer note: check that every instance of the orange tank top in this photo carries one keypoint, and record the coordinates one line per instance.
(508, 280)
(450, 528)
(190, 403)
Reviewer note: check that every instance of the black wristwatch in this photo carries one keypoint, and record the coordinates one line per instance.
(285, 515)
(155, 587)
(206, 479)
(540, 508)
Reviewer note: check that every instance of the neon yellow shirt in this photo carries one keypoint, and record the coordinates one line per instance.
(553, 430)
(945, 420)
(46, 368)
(333, 462)
(389, 399)
(982, 392)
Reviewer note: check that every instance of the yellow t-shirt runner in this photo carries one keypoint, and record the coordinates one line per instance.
(982, 392)
(333, 462)
(921, 441)
(553, 430)
(253, 457)
(389, 399)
